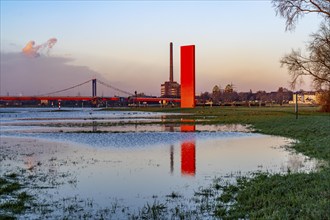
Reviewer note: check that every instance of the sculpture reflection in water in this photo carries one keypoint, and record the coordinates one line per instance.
(188, 153)
(188, 150)
(172, 158)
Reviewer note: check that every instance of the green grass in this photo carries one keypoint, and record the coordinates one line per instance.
(11, 188)
(291, 196)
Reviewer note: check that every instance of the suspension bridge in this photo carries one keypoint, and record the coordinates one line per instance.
(93, 98)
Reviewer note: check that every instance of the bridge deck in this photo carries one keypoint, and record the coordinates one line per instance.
(84, 98)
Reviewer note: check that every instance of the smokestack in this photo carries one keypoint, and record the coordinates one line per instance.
(171, 62)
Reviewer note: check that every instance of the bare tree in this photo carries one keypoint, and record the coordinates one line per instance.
(316, 64)
(293, 10)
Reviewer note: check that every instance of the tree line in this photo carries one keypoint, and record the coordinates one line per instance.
(228, 95)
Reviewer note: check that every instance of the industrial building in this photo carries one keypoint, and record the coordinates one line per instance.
(170, 89)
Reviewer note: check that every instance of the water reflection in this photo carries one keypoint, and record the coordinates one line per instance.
(94, 126)
(135, 175)
(188, 151)
(29, 161)
(295, 163)
(188, 158)
(172, 159)
(132, 163)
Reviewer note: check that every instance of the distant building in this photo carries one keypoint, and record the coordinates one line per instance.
(170, 89)
(306, 98)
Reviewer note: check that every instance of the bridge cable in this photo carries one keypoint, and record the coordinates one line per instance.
(63, 90)
(114, 88)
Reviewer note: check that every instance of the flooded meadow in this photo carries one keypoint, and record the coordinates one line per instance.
(118, 164)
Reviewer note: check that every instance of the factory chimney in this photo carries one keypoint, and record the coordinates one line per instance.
(171, 62)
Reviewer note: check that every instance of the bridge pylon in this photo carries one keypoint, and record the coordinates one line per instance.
(94, 88)
(94, 94)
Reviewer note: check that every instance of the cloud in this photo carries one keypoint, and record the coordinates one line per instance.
(32, 50)
(22, 75)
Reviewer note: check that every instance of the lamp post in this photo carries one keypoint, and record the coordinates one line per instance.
(296, 105)
(135, 98)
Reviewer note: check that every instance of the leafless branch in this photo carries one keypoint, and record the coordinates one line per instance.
(293, 10)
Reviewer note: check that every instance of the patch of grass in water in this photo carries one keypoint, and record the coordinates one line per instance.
(15, 207)
(9, 187)
(154, 211)
(3, 181)
(6, 217)
(23, 196)
(13, 200)
(174, 195)
(12, 175)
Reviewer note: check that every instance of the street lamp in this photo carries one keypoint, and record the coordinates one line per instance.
(296, 105)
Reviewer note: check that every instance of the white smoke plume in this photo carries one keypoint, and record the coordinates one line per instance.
(31, 50)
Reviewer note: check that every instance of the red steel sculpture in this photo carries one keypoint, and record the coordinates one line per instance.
(188, 76)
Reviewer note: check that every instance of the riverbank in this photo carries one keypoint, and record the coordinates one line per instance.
(291, 196)
(295, 195)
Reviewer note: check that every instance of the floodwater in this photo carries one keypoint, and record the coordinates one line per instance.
(125, 159)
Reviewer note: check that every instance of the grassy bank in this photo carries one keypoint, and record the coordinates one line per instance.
(291, 196)
(303, 196)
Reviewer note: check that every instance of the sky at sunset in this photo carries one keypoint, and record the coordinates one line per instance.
(126, 44)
